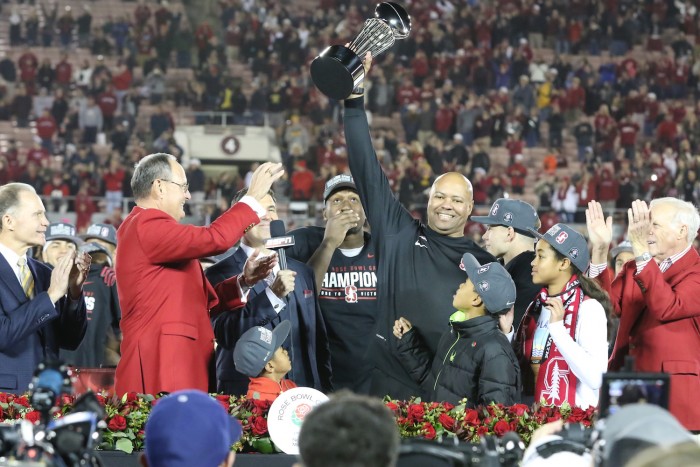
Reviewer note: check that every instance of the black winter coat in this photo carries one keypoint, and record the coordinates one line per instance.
(474, 360)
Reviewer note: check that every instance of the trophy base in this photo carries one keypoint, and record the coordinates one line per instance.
(337, 71)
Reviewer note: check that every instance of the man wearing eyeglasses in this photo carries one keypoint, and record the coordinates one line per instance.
(167, 342)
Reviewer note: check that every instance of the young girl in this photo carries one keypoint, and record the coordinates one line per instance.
(562, 339)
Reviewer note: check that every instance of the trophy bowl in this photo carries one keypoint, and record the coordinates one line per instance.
(338, 69)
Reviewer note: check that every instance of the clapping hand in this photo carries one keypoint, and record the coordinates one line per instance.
(257, 268)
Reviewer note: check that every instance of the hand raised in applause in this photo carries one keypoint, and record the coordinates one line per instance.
(60, 277)
(257, 268)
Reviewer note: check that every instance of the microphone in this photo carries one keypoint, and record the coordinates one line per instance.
(279, 241)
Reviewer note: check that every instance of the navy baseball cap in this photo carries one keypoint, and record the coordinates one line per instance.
(188, 428)
(257, 346)
(336, 183)
(569, 243)
(105, 232)
(511, 213)
(62, 231)
(492, 282)
(620, 248)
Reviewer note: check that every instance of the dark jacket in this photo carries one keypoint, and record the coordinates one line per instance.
(409, 253)
(473, 360)
(33, 331)
(520, 270)
(307, 343)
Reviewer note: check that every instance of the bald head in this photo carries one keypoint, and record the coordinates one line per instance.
(450, 204)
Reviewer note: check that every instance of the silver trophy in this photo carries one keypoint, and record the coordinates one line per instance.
(338, 69)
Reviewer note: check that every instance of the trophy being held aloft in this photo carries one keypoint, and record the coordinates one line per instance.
(338, 69)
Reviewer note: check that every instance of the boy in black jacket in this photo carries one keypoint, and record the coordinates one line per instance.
(474, 359)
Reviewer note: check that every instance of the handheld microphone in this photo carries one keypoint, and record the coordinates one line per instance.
(279, 241)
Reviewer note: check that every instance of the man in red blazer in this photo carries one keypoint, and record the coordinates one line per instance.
(656, 296)
(165, 298)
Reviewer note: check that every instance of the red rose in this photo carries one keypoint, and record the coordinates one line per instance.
(471, 417)
(416, 412)
(117, 423)
(501, 427)
(429, 430)
(447, 406)
(259, 426)
(392, 406)
(23, 401)
(131, 396)
(482, 430)
(32, 416)
(433, 405)
(554, 418)
(586, 423)
(3, 398)
(514, 425)
(577, 415)
(101, 399)
(446, 421)
(518, 409)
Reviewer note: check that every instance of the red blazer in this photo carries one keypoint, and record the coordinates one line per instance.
(165, 298)
(660, 327)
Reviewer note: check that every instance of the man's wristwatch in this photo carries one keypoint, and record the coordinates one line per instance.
(646, 256)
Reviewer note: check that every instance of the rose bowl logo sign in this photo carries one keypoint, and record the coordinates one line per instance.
(287, 414)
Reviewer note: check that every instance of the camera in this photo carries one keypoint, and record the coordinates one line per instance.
(64, 442)
(450, 452)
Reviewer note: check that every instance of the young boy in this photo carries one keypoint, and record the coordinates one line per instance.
(474, 358)
(259, 355)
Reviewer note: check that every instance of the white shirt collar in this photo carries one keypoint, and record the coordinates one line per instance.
(11, 257)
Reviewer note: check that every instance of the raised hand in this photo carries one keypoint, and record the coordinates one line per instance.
(599, 227)
(60, 277)
(263, 178)
(639, 217)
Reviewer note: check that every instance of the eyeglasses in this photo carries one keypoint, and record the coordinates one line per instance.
(183, 186)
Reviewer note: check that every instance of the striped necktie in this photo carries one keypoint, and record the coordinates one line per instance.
(665, 264)
(25, 276)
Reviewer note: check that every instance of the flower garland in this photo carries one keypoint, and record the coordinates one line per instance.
(126, 418)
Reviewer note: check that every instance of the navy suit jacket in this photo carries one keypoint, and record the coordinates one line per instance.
(258, 311)
(32, 331)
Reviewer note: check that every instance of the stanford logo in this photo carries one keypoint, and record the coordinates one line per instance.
(561, 238)
(573, 253)
(494, 209)
(508, 217)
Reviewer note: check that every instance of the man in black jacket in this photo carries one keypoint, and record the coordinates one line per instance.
(509, 240)
(474, 359)
(417, 264)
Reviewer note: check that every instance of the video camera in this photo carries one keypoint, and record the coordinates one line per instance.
(65, 442)
(489, 452)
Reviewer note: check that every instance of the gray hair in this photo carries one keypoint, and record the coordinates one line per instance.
(9, 197)
(148, 170)
(685, 214)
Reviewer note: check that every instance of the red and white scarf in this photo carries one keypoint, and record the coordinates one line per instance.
(555, 383)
